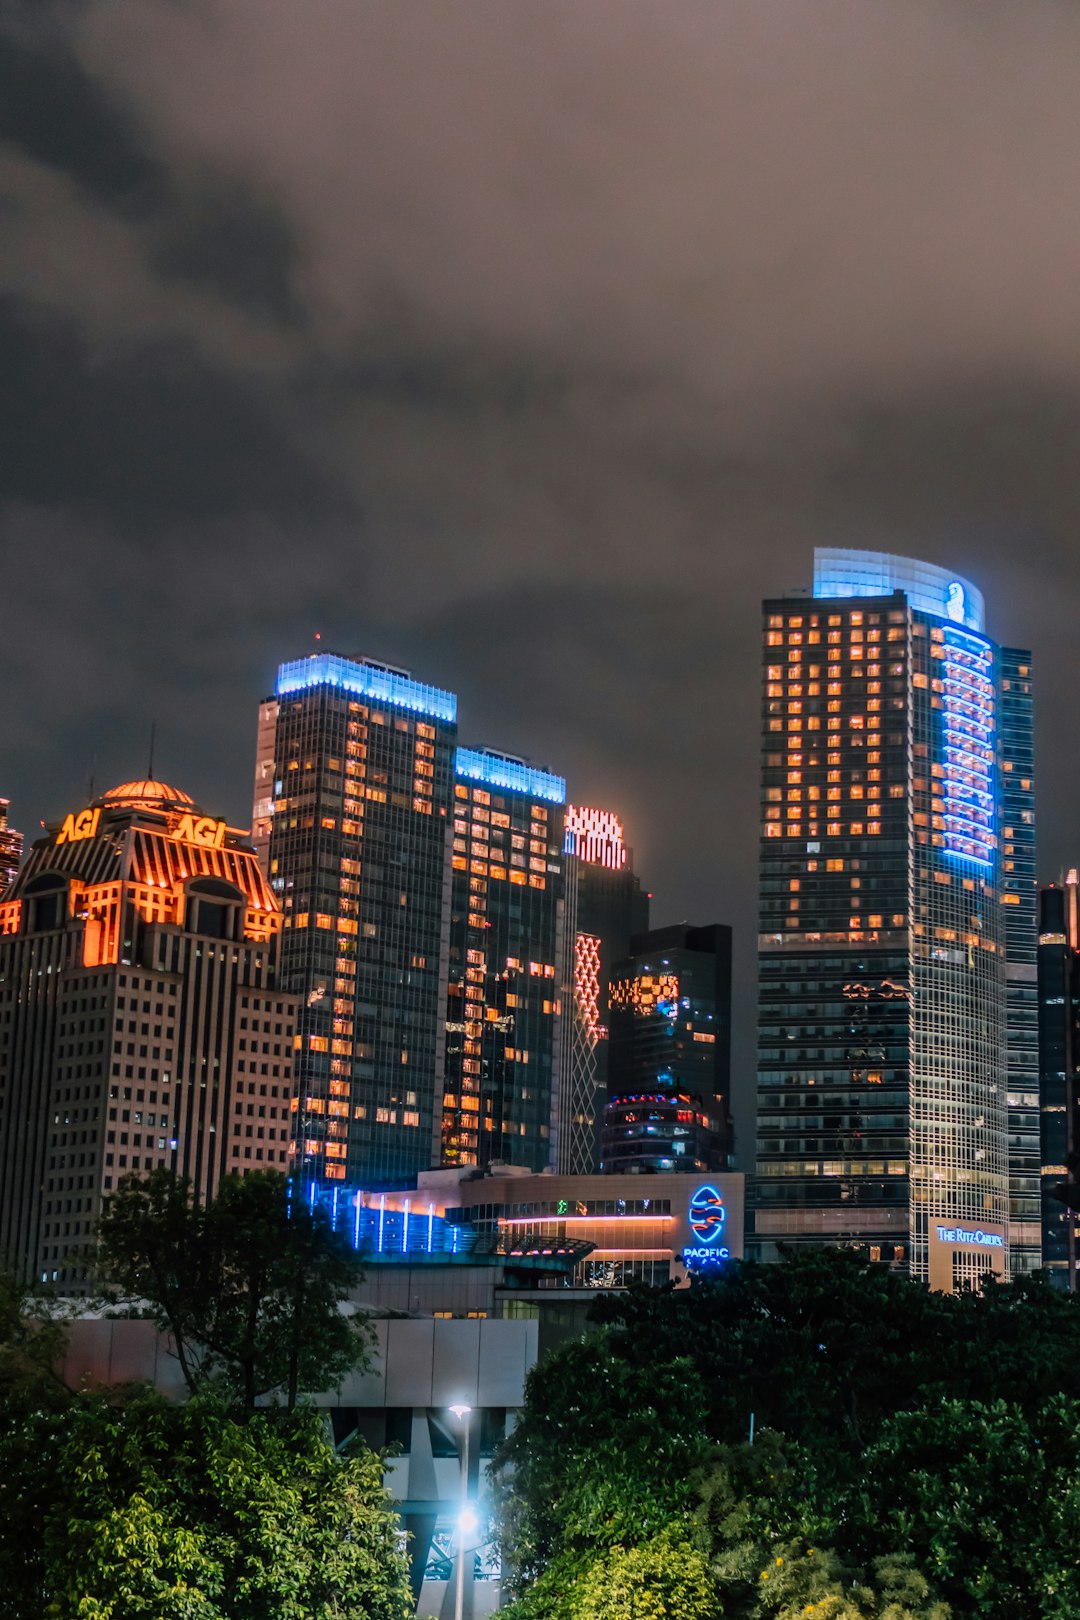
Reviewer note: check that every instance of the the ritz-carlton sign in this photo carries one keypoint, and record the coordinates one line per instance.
(974, 1236)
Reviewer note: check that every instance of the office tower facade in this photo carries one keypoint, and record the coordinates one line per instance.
(1019, 897)
(605, 907)
(142, 1018)
(1059, 1075)
(883, 1057)
(11, 849)
(503, 1036)
(353, 788)
(669, 1067)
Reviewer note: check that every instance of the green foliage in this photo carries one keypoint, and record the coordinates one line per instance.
(33, 1338)
(987, 1498)
(914, 1452)
(666, 1578)
(145, 1511)
(826, 1346)
(605, 1453)
(249, 1286)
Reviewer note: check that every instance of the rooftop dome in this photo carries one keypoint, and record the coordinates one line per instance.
(149, 795)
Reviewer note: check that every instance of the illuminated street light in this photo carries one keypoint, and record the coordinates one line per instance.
(467, 1520)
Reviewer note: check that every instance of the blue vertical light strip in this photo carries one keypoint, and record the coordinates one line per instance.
(312, 1193)
(333, 1210)
(405, 1230)
(359, 1202)
(968, 741)
(382, 1223)
(430, 1228)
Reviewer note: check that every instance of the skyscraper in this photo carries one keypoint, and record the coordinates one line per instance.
(142, 1019)
(605, 907)
(11, 848)
(505, 947)
(669, 1069)
(353, 788)
(1059, 1075)
(1019, 896)
(883, 1056)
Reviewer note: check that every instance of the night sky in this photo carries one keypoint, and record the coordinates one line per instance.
(526, 344)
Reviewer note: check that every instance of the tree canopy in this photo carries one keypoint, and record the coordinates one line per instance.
(913, 1453)
(250, 1286)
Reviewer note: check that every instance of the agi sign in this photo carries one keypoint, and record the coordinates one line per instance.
(708, 1217)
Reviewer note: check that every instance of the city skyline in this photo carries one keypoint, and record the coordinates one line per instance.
(578, 425)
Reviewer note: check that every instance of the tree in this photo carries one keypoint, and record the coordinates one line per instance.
(138, 1510)
(250, 1286)
(988, 1500)
(604, 1454)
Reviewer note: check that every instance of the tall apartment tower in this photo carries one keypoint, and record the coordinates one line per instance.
(883, 1043)
(1019, 896)
(142, 1018)
(1059, 1075)
(11, 848)
(506, 943)
(353, 788)
(605, 907)
(669, 1067)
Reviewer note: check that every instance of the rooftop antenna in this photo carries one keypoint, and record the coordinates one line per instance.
(153, 731)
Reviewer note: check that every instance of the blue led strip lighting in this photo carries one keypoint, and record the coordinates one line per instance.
(499, 771)
(967, 747)
(366, 681)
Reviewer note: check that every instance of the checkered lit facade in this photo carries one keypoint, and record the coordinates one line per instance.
(883, 1061)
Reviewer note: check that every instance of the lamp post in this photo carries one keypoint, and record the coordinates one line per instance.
(462, 1413)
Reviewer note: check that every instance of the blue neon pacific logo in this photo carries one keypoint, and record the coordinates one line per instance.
(708, 1215)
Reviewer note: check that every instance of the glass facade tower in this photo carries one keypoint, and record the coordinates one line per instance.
(606, 907)
(353, 789)
(503, 1006)
(1059, 1079)
(1019, 896)
(883, 1056)
(669, 1072)
(11, 848)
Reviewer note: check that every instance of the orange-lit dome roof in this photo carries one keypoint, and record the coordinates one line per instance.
(147, 795)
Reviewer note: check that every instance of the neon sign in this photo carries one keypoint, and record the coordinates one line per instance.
(708, 1215)
(78, 825)
(975, 1237)
(201, 830)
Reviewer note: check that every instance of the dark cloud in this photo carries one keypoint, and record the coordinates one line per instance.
(144, 434)
(531, 346)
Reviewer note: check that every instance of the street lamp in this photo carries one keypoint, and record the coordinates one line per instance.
(466, 1521)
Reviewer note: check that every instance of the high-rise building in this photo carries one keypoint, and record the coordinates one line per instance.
(11, 848)
(353, 788)
(883, 1054)
(142, 1018)
(1059, 1075)
(605, 907)
(669, 1067)
(1019, 895)
(506, 945)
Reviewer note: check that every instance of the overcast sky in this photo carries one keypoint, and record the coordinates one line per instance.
(527, 344)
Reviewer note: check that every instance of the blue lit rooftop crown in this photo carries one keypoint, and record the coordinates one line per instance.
(929, 589)
(505, 771)
(367, 679)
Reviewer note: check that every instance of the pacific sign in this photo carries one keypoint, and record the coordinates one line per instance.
(708, 1217)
